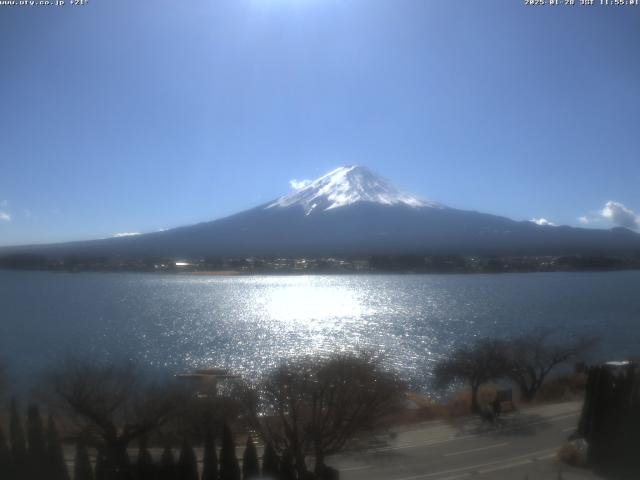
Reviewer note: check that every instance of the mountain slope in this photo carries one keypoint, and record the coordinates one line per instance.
(352, 211)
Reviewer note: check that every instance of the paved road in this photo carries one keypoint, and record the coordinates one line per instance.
(521, 446)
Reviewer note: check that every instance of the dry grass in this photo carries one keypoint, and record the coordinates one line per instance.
(558, 389)
(425, 409)
(563, 388)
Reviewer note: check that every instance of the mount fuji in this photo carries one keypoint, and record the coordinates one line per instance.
(351, 211)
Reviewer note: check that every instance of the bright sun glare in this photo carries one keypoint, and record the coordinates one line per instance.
(310, 304)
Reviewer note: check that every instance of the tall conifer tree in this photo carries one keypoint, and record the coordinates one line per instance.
(210, 461)
(5, 456)
(19, 464)
(287, 470)
(250, 466)
(35, 434)
(270, 463)
(144, 466)
(82, 466)
(37, 447)
(16, 434)
(229, 468)
(167, 470)
(57, 468)
(100, 469)
(187, 462)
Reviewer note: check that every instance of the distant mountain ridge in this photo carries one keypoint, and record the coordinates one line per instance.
(351, 211)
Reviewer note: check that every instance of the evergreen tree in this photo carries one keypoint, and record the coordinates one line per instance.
(167, 470)
(229, 468)
(145, 467)
(287, 470)
(37, 449)
(5, 456)
(82, 467)
(124, 469)
(55, 456)
(270, 462)
(210, 462)
(250, 466)
(35, 434)
(19, 465)
(187, 462)
(100, 470)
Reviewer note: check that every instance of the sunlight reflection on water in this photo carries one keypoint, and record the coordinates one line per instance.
(251, 324)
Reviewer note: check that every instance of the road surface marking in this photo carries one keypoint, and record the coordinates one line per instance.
(470, 468)
(353, 469)
(500, 467)
(453, 454)
(506, 466)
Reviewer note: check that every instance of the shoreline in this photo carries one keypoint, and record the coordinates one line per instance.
(290, 273)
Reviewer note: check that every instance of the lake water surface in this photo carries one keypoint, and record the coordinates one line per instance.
(252, 323)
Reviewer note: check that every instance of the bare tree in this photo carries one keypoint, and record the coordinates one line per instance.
(532, 356)
(316, 407)
(476, 364)
(115, 402)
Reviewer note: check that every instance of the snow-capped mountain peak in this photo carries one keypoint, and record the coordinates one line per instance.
(346, 186)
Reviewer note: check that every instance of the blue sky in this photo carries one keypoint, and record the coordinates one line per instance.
(125, 116)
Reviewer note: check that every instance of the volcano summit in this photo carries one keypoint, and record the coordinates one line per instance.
(346, 186)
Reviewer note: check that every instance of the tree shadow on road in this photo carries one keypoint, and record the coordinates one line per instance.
(520, 424)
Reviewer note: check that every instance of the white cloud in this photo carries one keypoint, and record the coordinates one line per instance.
(543, 221)
(584, 220)
(125, 234)
(5, 217)
(620, 215)
(299, 184)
